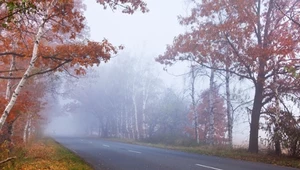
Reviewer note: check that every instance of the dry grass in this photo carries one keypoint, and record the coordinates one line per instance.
(45, 154)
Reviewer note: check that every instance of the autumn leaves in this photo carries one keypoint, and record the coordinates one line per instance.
(39, 37)
(247, 39)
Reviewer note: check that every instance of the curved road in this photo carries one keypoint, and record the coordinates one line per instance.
(108, 155)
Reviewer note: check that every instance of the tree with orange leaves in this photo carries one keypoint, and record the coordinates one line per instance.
(49, 38)
(25, 111)
(203, 116)
(254, 39)
(220, 117)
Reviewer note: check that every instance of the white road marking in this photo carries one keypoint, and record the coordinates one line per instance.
(106, 146)
(208, 167)
(134, 151)
(74, 151)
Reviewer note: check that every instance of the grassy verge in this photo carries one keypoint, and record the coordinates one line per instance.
(221, 151)
(45, 154)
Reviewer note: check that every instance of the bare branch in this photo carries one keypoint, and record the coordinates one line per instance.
(241, 59)
(39, 73)
(52, 69)
(7, 159)
(230, 71)
(285, 13)
(12, 53)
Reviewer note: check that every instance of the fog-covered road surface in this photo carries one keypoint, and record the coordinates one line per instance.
(103, 154)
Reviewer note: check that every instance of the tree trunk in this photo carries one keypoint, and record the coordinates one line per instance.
(104, 128)
(118, 126)
(30, 129)
(263, 42)
(10, 130)
(211, 132)
(25, 131)
(144, 124)
(145, 100)
(277, 117)
(132, 127)
(99, 128)
(127, 123)
(121, 124)
(194, 104)
(9, 83)
(146, 94)
(229, 111)
(277, 144)
(254, 125)
(136, 117)
(34, 57)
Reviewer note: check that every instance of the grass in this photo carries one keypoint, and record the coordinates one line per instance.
(226, 152)
(45, 154)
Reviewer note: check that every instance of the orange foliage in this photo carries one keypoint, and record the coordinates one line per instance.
(203, 118)
(63, 46)
(254, 39)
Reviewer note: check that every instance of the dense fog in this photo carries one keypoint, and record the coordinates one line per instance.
(182, 93)
(135, 98)
(210, 77)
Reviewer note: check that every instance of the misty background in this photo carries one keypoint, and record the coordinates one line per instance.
(101, 102)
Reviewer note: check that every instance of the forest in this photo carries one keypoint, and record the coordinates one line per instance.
(242, 59)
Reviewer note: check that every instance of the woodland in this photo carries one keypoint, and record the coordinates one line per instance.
(253, 42)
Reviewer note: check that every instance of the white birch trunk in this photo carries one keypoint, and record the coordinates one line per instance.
(127, 117)
(136, 117)
(121, 124)
(127, 122)
(30, 128)
(25, 131)
(9, 83)
(229, 111)
(144, 122)
(194, 104)
(145, 100)
(211, 113)
(23, 80)
(132, 127)
(99, 127)
(28, 70)
(118, 126)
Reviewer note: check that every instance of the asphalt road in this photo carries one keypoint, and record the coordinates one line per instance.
(103, 154)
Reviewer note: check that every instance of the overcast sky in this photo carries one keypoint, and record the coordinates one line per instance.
(148, 33)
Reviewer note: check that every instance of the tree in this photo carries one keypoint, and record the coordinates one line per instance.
(26, 112)
(218, 109)
(168, 118)
(194, 102)
(283, 132)
(251, 38)
(229, 109)
(125, 88)
(51, 40)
